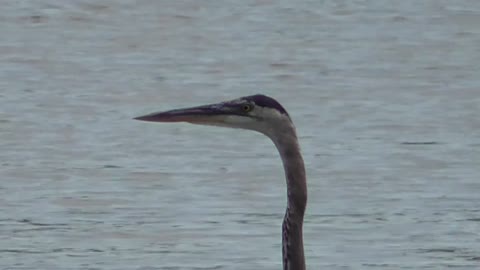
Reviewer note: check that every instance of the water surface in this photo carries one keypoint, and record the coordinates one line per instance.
(385, 98)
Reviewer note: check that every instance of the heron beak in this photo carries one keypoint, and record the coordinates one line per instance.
(207, 114)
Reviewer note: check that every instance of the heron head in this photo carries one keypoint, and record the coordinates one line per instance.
(258, 112)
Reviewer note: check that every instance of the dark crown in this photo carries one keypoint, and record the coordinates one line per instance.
(268, 102)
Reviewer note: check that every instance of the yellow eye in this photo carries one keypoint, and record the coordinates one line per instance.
(247, 107)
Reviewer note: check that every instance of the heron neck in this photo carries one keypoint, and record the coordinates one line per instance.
(292, 229)
(294, 167)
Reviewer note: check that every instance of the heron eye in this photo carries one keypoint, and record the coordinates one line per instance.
(247, 107)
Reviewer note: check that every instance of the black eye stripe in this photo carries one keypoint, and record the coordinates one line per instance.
(267, 102)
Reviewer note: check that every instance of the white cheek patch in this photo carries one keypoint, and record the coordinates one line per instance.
(273, 121)
(268, 113)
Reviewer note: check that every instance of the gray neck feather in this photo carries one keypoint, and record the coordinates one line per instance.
(292, 235)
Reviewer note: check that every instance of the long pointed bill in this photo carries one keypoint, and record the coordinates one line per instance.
(207, 114)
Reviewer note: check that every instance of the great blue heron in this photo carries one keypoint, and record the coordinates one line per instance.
(265, 115)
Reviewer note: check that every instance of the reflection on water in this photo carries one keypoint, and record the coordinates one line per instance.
(385, 99)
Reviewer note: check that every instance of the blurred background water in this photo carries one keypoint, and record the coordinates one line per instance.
(385, 96)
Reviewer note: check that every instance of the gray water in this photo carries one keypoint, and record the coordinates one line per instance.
(385, 96)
